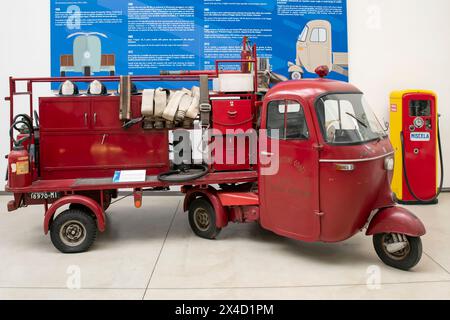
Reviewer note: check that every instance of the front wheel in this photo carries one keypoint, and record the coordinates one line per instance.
(202, 219)
(73, 231)
(398, 250)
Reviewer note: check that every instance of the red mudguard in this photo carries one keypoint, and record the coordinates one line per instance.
(396, 220)
(211, 194)
(82, 200)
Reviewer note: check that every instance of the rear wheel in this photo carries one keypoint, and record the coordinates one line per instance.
(202, 219)
(398, 250)
(73, 231)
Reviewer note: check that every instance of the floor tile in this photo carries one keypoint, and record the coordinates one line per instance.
(122, 257)
(247, 256)
(409, 291)
(66, 294)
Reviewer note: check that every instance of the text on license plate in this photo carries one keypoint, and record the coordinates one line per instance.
(44, 195)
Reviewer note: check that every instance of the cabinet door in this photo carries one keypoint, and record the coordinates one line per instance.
(64, 114)
(67, 155)
(232, 115)
(99, 155)
(105, 112)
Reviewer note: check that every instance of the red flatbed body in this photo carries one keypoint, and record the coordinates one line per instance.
(68, 185)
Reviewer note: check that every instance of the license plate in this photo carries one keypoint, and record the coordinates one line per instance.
(44, 195)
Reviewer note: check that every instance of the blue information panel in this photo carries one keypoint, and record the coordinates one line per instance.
(103, 37)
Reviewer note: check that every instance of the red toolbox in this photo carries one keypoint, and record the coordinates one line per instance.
(82, 137)
(231, 120)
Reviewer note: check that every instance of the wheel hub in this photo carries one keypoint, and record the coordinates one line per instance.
(72, 233)
(396, 246)
(201, 219)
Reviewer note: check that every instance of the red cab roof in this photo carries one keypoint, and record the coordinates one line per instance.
(309, 88)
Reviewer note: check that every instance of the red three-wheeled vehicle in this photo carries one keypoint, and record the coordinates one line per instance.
(322, 174)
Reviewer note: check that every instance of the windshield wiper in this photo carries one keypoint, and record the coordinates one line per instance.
(357, 119)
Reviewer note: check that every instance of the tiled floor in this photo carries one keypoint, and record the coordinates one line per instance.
(151, 253)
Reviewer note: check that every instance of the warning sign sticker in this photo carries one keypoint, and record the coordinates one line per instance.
(23, 167)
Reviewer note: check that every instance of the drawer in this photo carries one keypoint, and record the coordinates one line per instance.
(232, 115)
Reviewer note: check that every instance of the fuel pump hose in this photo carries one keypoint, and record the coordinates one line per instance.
(405, 172)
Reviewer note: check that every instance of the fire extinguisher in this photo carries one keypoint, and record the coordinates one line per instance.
(246, 54)
(19, 168)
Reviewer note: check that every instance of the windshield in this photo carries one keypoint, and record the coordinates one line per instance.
(302, 37)
(348, 119)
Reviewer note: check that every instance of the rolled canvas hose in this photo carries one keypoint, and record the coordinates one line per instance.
(194, 108)
(148, 103)
(185, 103)
(161, 106)
(160, 102)
(173, 105)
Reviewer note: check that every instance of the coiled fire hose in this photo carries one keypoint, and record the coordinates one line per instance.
(184, 174)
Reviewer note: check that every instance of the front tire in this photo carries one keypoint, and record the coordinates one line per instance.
(404, 259)
(202, 219)
(73, 231)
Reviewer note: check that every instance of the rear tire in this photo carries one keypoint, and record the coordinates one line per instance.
(404, 259)
(202, 219)
(73, 231)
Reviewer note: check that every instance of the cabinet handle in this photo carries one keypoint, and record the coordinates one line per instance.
(95, 119)
(86, 119)
(232, 113)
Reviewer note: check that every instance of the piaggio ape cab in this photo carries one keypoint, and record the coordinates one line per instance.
(327, 178)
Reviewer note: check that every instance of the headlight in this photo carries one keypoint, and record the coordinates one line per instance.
(389, 164)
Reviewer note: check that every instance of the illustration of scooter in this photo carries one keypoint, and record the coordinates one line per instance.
(87, 57)
(314, 49)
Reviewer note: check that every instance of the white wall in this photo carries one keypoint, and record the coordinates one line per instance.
(24, 52)
(393, 44)
(402, 44)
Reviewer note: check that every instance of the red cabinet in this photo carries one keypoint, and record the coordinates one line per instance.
(231, 121)
(232, 115)
(72, 113)
(82, 137)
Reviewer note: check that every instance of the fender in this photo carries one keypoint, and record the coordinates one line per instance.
(82, 200)
(396, 220)
(211, 194)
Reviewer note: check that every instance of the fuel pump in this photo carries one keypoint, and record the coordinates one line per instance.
(416, 138)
